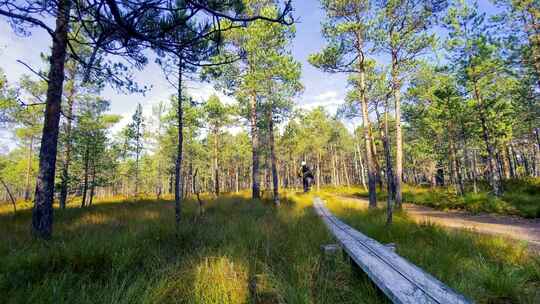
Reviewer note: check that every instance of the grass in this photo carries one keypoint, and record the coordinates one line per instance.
(521, 197)
(240, 251)
(485, 268)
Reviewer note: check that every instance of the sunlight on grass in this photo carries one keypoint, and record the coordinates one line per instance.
(240, 251)
(471, 263)
(220, 280)
(521, 197)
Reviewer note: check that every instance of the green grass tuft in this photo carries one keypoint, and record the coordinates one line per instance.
(240, 251)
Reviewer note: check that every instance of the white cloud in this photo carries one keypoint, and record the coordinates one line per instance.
(202, 91)
(326, 96)
(330, 100)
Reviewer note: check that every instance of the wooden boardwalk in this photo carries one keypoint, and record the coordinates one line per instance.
(400, 280)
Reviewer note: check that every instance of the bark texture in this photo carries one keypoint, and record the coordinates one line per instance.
(42, 213)
(255, 176)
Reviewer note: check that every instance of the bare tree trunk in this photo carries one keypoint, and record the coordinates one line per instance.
(196, 192)
(137, 169)
(29, 169)
(493, 177)
(42, 213)
(85, 185)
(345, 170)
(456, 171)
(399, 140)
(178, 166)
(237, 184)
(92, 184)
(275, 180)
(362, 169)
(372, 188)
(10, 195)
(216, 163)
(67, 158)
(159, 165)
(319, 171)
(508, 160)
(537, 149)
(390, 185)
(505, 164)
(255, 176)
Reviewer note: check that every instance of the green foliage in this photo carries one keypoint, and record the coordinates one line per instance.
(346, 29)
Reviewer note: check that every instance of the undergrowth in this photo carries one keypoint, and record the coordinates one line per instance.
(520, 197)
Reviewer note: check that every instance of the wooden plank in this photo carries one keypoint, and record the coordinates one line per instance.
(399, 279)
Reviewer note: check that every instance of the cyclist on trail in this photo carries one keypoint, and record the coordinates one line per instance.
(307, 176)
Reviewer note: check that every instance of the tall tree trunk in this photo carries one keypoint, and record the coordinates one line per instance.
(67, 158)
(509, 161)
(378, 170)
(474, 172)
(456, 167)
(506, 164)
(29, 169)
(159, 165)
(345, 170)
(137, 168)
(178, 165)
(396, 90)
(362, 169)
(255, 176)
(42, 213)
(85, 184)
(236, 179)
(355, 175)
(335, 179)
(216, 163)
(92, 184)
(9, 194)
(372, 187)
(537, 149)
(493, 176)
(319, 170)
(275, 179)
(390, 185)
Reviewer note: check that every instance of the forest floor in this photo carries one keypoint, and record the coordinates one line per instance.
(509, 226)
(239, 251)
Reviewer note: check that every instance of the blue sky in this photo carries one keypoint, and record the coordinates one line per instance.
(320, 88)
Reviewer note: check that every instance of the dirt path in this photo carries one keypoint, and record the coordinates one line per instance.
(508, 226)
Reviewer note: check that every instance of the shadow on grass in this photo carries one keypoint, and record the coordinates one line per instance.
(240, 251)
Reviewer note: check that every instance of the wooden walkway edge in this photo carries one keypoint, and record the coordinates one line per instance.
(400, 280)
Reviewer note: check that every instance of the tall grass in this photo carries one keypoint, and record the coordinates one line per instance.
(485, 268)
(240, 251)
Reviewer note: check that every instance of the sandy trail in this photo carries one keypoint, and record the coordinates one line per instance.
(508, 226)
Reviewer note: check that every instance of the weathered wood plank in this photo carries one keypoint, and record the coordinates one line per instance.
(400, 280)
